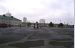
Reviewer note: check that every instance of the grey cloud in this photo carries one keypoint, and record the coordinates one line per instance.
(2, 9)
(63, 7)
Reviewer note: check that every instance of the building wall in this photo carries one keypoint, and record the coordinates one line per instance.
(8, 20)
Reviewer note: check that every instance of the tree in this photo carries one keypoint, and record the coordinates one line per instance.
(4, 15)
(12, 17)
(60, 25)
(51, 24)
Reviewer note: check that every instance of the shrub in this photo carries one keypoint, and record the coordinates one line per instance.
(60, 25)
(51, 24)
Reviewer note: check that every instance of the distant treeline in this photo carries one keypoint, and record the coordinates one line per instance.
(3, 25)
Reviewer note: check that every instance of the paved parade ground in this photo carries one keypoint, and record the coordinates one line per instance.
(45, 37)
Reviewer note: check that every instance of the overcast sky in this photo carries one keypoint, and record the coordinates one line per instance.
(50, 10)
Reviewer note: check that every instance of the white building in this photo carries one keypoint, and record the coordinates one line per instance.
(24, 19)
(42, 21)
(8, 14)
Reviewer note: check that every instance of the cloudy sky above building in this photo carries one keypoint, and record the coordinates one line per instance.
(50, 10)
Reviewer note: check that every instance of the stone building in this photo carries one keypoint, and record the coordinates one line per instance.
(9, 20)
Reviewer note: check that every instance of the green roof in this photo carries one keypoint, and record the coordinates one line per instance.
(8, 18)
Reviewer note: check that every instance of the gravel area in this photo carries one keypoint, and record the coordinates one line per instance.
(23, 37)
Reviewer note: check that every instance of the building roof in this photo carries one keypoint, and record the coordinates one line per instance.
(8, 18)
